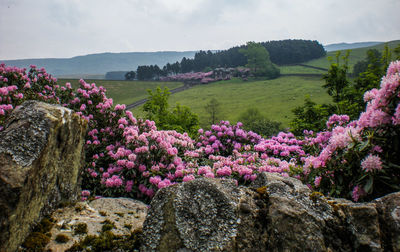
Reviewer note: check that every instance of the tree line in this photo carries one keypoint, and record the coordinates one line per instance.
(281, 52)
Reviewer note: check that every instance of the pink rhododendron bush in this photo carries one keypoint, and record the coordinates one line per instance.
(195, 78)
(125, 156)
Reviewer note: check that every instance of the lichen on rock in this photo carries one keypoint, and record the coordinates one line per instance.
(274, 213)
(41, 157)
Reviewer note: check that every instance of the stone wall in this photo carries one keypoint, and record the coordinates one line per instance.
(41, 154)
(273, 214)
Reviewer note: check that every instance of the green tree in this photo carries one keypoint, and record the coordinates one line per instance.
(156, 106)
(336, 78)
(181, 118)
(258, 60)
(386, 58)
(376, 66)
(310, 116)
(213, 110)
(250, 115)
(253, 120)
(130, 75)
(397, 52)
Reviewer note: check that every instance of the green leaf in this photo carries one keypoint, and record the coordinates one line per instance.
(369, 184)
(362, 178)
(394, 165)
(363, 145)
(340, 178)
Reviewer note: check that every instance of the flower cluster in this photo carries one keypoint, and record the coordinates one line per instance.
(223, 138)
(354, 159)
(126, 156)
(16, 86)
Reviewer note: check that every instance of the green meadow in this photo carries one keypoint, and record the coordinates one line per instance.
(274, 98)
(297, 69)
(125, 92)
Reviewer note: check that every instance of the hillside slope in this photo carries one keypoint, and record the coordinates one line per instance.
(355, 55)
(346, 46)
(99, 64)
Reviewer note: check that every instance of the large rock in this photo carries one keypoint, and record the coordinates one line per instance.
(41, 154)
(200, 215)
(389, 218)
(273, 214)
(126, 216)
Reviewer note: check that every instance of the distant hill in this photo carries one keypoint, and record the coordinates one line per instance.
(346, 46)
(99, 64)
(355, 55)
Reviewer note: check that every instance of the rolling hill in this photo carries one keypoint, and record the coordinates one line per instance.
(355, 55)
(96, 65)
(346, 46)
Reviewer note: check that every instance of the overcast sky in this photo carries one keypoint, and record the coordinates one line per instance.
(67, 28)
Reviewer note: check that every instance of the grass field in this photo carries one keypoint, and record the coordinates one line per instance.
(355, 55)
(275, 98)
(300, 70)
(125, 92)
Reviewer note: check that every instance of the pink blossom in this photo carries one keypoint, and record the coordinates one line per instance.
(128, 186)
(155, 180)
(114, 181)
(357, 193)
(317, 181)
(224, 171)
(85, 193)
(172, 151)
(371, 163)
(188, 178)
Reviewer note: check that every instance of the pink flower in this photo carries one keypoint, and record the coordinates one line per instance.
(155, 180)
(172, 151)
(120, 107)
(317, 181)
(114, 181)
(85, 193)
(224, 171)
(371, 163)
(130, 164)
(396, 116)
(209, 175)
(357, 193)
(188, 178)
(164, 183)
(370, 95)
(83, 107)
(128, 186)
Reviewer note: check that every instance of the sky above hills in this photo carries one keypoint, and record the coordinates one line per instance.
(67, 28)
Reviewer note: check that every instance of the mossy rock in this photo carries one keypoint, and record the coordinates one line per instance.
(62, 238)
(107, 241)
(40, 236)
(80, 228)
(36, 241)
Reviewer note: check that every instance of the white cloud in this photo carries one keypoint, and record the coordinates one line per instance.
(65, 28)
